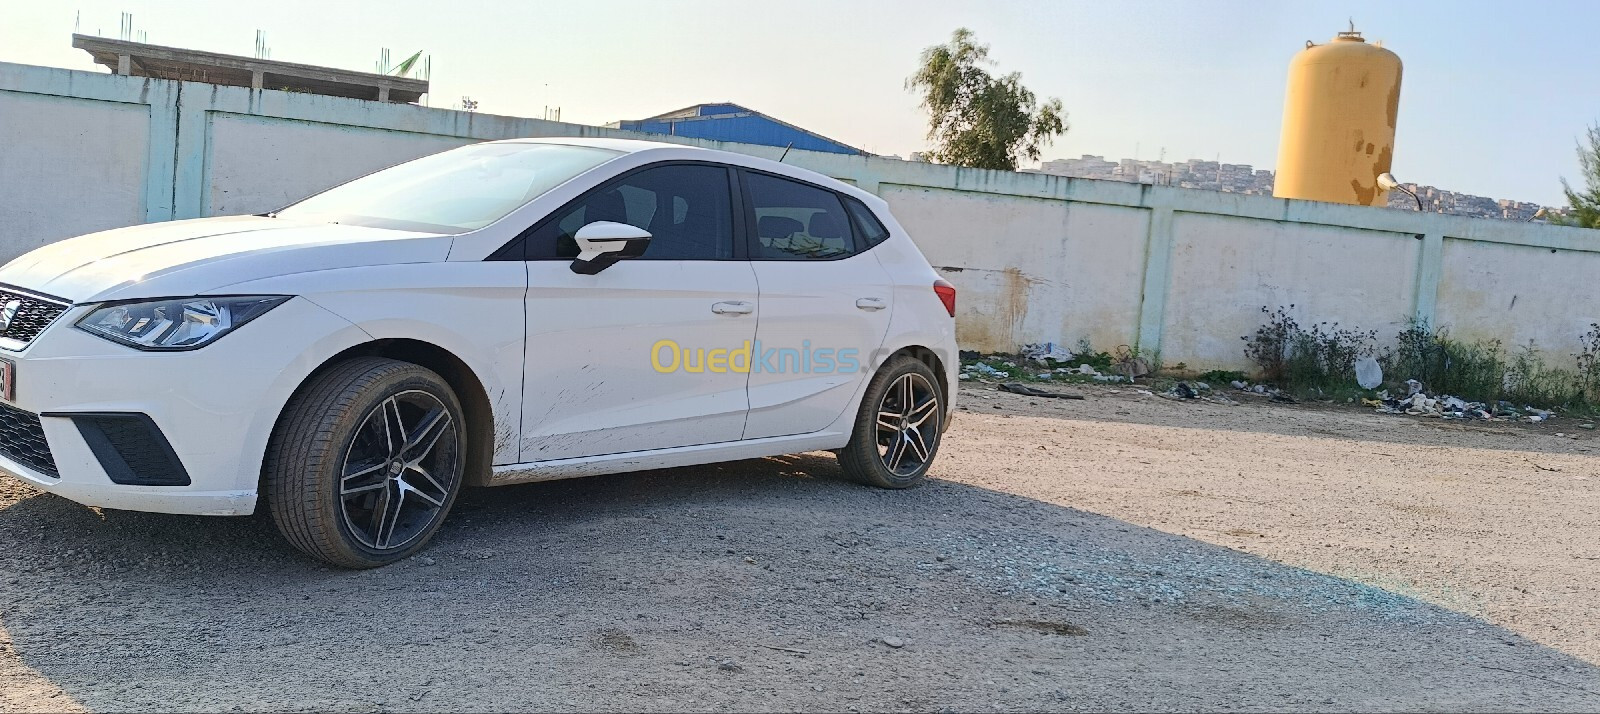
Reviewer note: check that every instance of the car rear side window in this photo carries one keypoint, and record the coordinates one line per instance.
(868, 226)
(797, 221)
(687, 208)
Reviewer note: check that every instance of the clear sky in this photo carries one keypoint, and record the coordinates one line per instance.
(1494, 93)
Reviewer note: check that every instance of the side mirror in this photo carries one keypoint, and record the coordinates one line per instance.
(603, 243)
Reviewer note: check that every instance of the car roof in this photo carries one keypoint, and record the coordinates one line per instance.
(669, 151)
(626, 146)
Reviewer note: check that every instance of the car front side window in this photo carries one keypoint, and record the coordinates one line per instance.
(687, 208)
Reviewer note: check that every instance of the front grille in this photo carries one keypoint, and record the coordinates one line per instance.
(22, 440)
(33, 314)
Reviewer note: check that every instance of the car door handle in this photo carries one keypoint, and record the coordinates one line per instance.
(871, 304)
(736, 307)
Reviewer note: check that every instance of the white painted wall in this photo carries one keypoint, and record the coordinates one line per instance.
(1516, 293)
(1225, 269)
(1036, 258)
(257, 164)
(1030, 266)
(68, 166)
(1105, 259)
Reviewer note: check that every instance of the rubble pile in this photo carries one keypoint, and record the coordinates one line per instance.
(1418, 402)
(1204, 392)
(1046, 361)
(1277, 395)
(1049, 362)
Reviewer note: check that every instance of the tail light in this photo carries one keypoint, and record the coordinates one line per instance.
(947, 295)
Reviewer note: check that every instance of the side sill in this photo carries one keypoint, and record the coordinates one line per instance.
(578, 467)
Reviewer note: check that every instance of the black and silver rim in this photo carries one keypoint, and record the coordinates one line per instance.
(399, 471)
(908, 424)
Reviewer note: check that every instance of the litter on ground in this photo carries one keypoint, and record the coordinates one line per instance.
(1023, 389)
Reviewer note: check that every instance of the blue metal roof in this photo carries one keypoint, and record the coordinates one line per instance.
(731, 122)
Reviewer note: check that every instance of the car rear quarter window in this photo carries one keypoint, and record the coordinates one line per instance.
(688, 209)
(868, 227)
(797, 221)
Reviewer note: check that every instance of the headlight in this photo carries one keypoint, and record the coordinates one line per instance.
(175, 325)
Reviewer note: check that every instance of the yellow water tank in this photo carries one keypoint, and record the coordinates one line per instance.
(1338, 122)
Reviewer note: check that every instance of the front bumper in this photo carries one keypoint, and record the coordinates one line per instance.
(215, 406)
(156, 499)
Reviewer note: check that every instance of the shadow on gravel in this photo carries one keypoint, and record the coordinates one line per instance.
(753, 586)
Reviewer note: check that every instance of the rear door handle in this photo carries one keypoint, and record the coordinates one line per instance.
(735, 307)
(871, 304)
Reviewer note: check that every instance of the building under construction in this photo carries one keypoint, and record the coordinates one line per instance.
(145, 60)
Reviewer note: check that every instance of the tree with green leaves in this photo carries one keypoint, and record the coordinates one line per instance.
(1584, 206)
(975, 118)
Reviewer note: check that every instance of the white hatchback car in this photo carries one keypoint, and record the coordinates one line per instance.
(501, 313)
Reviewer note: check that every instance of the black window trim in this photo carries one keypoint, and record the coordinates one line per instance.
(750, 237)
(861, 232)
(517, 248)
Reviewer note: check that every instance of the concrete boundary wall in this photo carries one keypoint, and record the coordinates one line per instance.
(1176, 272)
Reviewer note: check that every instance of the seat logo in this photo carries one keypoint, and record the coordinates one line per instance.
(9, 313)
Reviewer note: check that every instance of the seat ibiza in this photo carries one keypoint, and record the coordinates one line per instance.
(501, 313)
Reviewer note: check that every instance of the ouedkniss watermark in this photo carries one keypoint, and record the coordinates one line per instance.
(667, 356)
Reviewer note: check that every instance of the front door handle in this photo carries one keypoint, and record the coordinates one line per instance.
(735, 307)
(871, 304)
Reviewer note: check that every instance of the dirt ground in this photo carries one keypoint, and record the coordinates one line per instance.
(1120, 552)
(1499, 521)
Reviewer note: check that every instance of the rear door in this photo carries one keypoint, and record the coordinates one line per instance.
(627, 359)
(825, 306)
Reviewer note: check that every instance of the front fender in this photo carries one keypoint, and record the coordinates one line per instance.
(474, 311)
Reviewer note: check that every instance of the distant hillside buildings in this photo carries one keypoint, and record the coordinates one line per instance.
(1243, 178)
(1435, 200)
(1205, 175)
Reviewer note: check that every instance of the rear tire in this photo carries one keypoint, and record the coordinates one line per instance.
(365, 462)
(898, 426)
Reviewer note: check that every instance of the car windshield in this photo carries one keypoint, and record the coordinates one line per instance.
(453, 192)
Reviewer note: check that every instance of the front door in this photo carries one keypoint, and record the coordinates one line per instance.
(636, 357)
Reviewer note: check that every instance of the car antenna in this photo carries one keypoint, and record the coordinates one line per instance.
(785, 152)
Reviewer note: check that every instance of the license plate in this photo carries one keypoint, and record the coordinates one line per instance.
(8, 380)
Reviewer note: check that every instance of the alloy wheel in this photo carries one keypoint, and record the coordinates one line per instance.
(908, 424)
(399, 471)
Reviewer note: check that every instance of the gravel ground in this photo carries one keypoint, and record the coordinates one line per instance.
(1122, 552)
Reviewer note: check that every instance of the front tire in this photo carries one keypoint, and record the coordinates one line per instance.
(897, 429)
(365, 462)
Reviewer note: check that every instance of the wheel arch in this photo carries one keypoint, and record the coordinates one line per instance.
(466, 384)
(928, 357)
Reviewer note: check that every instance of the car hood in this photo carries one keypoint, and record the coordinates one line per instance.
(198, 256)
